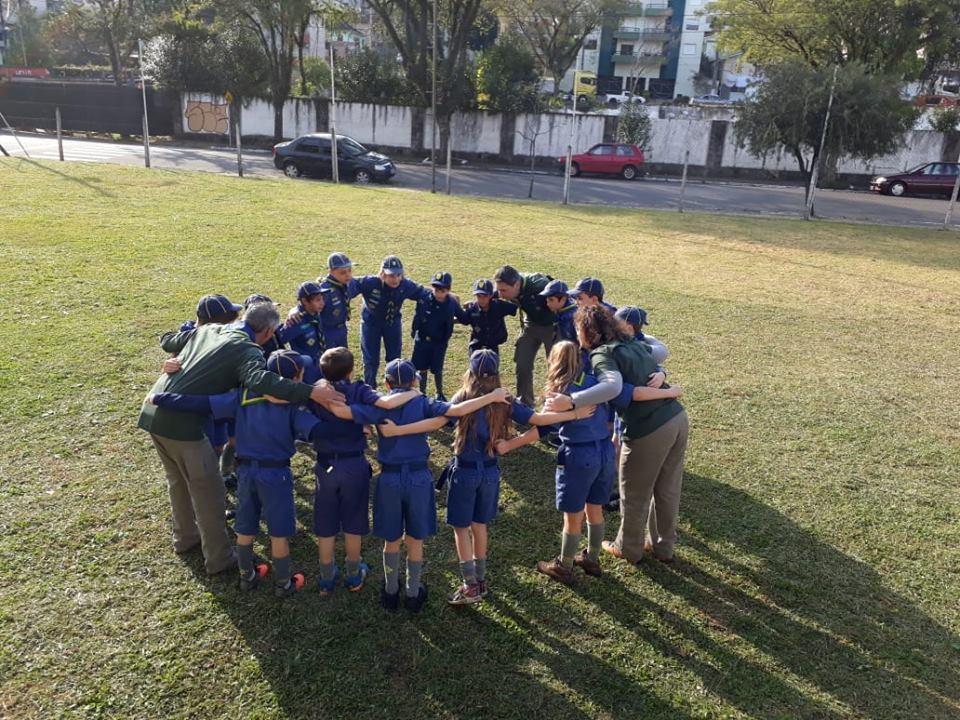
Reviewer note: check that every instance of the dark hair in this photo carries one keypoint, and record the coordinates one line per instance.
(596, 326)
(507, 274)
(498, 414)
(336, 364)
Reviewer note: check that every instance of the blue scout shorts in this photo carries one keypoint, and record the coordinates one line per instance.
(585, 474)
(429, 356)
(341, 500)
(267, 493)
(474, 493)
(404, 503)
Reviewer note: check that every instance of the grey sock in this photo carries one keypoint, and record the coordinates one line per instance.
(227, 464)
(281, 571)
(595, 538)
(353, 568)
(245, 559)
(481, 565)
(469, 571)
(326, 571)
(391, 572)
(568, 548)
(414, 568)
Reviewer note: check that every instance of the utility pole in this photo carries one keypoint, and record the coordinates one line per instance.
(433, 104)
(146, 122)
(334, 155)
(815, 170)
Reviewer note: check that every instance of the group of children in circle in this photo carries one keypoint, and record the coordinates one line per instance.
(262, 432)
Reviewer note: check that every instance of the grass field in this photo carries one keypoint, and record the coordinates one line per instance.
(819, 569)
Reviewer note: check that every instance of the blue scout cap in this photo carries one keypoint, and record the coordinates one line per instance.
(442, 279)
(391, 265)
(590, 286)
(483, 287)
(400, 373)
(285, 363)
(555, 287)
(211, 306)
(255, 299)
(484, 362)
(339, 260)
(309, 289)
(632, 315)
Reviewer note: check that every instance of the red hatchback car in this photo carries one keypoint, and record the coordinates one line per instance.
(608, 158)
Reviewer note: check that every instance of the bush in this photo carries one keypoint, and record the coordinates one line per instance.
(634, 126)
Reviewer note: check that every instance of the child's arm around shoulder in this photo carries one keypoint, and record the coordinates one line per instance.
(468, 406)
(388, 428)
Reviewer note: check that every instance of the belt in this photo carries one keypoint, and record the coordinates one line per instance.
(486, 462)
(399, 467)
(264, 463)
(585, 443)
(331, 458)
(335, 327)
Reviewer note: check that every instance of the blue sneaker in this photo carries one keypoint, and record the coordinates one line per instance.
(327, 586)
(354, 583)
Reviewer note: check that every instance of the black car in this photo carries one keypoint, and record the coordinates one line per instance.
(310, 155)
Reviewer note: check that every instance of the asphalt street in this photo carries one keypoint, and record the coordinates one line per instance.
(648, 193)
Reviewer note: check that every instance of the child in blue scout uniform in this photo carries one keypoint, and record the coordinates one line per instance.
(557, 297)
(266, 431)
(589, 292)
(343, 288)
(383, 297)
(306, 335)
(585, 469)
(342, 496)
(474, 489)
(633, 319)
(273, 343)
(404, 505)
(486, 316)
(431, 331)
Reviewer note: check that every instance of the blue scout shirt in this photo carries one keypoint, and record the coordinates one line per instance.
(565, 327)
(475, 449)
(306, 337)
(381, 303)
(488, 327)
(344, 436)
(407, 448)
(433, 321)
(589, 429)
(336, 308)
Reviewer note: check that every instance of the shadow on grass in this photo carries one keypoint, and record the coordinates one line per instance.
(66, 176)
(827, 619)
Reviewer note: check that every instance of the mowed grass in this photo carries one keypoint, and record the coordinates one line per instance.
(819, 569)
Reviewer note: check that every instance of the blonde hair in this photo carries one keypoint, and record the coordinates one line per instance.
(563, 366)
(498, 414)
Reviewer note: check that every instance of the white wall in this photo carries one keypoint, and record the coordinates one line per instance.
(552, 131)
(671, 138)
(477, 132)
(376, 124)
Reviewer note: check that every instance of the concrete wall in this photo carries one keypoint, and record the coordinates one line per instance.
(552, 133)
(388, 125)
(299, 117)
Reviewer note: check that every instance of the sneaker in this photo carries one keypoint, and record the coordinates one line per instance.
(590, 566)
(354, 583)
(415, 604)
(556, 570)
(249, 582)
(389, 601)
(466, 594)
(327, 586)
(294, 584)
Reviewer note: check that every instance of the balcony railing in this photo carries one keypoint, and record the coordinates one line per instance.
(639, 58)
(634, 33)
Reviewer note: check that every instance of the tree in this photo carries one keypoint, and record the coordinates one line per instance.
(868, 118)
(367, 77)
(26, 41)
(555, 29)
(903, 38)
(507, 79)
(634, 125)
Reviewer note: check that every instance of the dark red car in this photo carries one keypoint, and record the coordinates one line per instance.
(620, 159)
(928, 179)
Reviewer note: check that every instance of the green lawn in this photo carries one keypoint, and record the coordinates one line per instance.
(820, 521)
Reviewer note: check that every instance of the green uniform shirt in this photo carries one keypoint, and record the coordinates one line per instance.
(215, 359)
(634, 361)
(533, 306)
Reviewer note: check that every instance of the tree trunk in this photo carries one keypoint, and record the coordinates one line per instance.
(303, 74)
(829, 168)
(278, 120)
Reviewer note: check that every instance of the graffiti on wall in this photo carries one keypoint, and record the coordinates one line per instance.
(207, 116)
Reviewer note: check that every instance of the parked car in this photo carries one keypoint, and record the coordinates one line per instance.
(311, 155)
(609, 158)
(928, 179)
(617, 99)
(709, 100)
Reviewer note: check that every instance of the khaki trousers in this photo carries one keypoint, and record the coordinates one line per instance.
(198, 500)
(651, 470)
(525, 354)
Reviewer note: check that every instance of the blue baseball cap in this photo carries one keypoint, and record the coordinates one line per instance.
(632, 315)
(212, 306)
(285, 363)
(391, 265)
(442, 279)
(309, 289)
(588, 285)
(255, 299)
(555, 287)
(339, 260)
(484, 362)
(483, 287)
(400, 373)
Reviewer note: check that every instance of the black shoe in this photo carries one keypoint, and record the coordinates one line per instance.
(230, 481)
(415, 604)
(230, 514)
(389, 601)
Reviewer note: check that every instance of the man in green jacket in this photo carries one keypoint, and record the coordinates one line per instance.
(536, 320)
(213, 360)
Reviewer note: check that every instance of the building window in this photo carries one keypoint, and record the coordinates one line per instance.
(689, 49)
(590, 44)
(626, 49)
(693, 26)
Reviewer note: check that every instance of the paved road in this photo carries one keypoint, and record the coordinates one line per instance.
(736, 198)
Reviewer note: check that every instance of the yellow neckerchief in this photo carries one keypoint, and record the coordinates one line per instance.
(246, 399)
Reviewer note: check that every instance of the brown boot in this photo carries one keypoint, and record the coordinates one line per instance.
(590, 566)
(556, 570)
